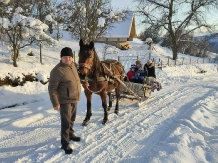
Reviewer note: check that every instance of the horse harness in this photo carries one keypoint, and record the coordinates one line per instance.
(104, 73)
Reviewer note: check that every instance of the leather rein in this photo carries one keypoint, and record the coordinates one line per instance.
(89, 67)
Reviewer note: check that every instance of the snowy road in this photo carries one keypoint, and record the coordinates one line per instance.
(31, 132)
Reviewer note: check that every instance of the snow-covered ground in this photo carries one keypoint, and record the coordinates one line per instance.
(180, 124)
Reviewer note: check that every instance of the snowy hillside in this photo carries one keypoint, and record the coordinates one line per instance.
(179, 124)
(212, 41)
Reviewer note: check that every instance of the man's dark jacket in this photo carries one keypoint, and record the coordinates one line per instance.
(64, 84)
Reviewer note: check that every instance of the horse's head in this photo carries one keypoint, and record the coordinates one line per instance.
(86, 57)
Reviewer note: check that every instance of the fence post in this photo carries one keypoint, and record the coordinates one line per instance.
(175, 62)
(149, 55)
(40, 51)
(190, 61)
(168, 61)
(74, 59)
(159, 62)
(203, 60)
(118, 58)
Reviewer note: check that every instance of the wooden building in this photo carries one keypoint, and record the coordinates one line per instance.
(121, 31)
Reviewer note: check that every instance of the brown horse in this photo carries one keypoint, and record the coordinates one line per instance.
(102, 78)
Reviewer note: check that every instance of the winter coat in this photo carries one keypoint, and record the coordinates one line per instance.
(150, 70)
(138, 75)
(137, 68)
(64, 84)
(130, 74)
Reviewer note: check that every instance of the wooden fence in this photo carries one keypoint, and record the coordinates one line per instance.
(169, 61)
(159, 61)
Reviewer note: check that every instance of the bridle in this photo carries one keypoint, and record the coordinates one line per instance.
(91, 70)
(89, 67)
(82, 65)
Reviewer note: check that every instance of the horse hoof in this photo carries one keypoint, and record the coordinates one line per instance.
(85, 123)
(109, 109)
(104, 121)
(116, 111)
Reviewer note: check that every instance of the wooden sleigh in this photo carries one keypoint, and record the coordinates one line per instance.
(135, 91)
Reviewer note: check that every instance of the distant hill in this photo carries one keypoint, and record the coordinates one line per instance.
(212, 40)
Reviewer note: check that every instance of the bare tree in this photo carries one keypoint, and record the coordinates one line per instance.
(177, 17)
(82, 16)
(20, 31)
(26, 5)
(41, 8)
(203, 46)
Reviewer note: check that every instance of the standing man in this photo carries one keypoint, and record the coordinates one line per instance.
(64, 90)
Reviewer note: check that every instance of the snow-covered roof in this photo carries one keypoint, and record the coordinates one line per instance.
(121, 28)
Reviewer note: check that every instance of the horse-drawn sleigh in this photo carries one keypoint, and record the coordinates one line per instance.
(106, 78)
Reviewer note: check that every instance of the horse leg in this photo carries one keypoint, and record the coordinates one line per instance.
(89, 109)
(110, 100)
(104, 105)
(117, 91)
